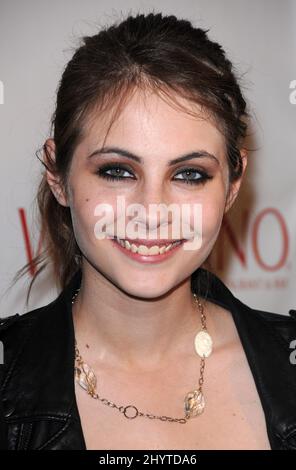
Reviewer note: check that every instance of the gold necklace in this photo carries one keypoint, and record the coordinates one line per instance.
(194, 402)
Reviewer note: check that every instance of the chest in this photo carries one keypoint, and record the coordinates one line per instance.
(233, 417)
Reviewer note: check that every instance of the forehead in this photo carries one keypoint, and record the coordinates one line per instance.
(149, 124)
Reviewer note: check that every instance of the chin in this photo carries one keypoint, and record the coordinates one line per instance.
(152, 291)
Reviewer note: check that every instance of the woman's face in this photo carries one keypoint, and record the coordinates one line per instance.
(157, 133)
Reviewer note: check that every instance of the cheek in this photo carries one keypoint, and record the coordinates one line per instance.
(85, 204)
(212, 202)
(212, 215)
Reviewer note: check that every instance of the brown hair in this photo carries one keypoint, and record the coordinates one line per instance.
(163, 53)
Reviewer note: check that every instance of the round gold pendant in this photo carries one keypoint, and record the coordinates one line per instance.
(203, 343)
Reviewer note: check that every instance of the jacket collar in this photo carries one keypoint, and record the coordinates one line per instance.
(266, 339)
(40, 381)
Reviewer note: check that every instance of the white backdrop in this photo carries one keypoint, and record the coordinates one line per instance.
(256, 252)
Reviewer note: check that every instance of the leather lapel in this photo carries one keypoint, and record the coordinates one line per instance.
(266, 339)
(38, 391)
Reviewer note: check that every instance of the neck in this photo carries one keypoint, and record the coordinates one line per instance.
(133, 333)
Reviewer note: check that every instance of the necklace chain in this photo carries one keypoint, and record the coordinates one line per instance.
(194, 401)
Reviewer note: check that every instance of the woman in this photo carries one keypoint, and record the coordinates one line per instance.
(144, 348)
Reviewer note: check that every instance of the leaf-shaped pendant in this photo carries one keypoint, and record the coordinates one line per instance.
(86, 378)
(194, 403)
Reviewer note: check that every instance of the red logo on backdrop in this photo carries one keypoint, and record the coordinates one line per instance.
(252, 230)
(28, 243)
(238, 249)
(284, 237)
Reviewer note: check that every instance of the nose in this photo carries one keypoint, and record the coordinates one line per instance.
(154, 204)
(152, 193)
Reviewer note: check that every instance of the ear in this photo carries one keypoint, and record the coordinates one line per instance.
(235, 186)
(53, 179)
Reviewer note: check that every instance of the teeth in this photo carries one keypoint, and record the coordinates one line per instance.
(144, 250)
(153, 250)
(168, 247)
(133, 247)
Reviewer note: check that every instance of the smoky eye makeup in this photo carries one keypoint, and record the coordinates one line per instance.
(192, 175)
(118, 172)
(115, 171)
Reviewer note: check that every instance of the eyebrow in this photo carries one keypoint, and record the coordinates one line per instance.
(136, 158)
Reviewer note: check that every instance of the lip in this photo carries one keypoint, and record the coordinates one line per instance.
(150, 259)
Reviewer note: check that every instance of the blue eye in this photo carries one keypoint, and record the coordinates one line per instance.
(193, 176)
(115, 172)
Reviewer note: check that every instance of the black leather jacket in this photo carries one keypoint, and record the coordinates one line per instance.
(38, 409)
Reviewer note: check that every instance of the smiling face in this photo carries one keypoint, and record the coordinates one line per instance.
(154, 133)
